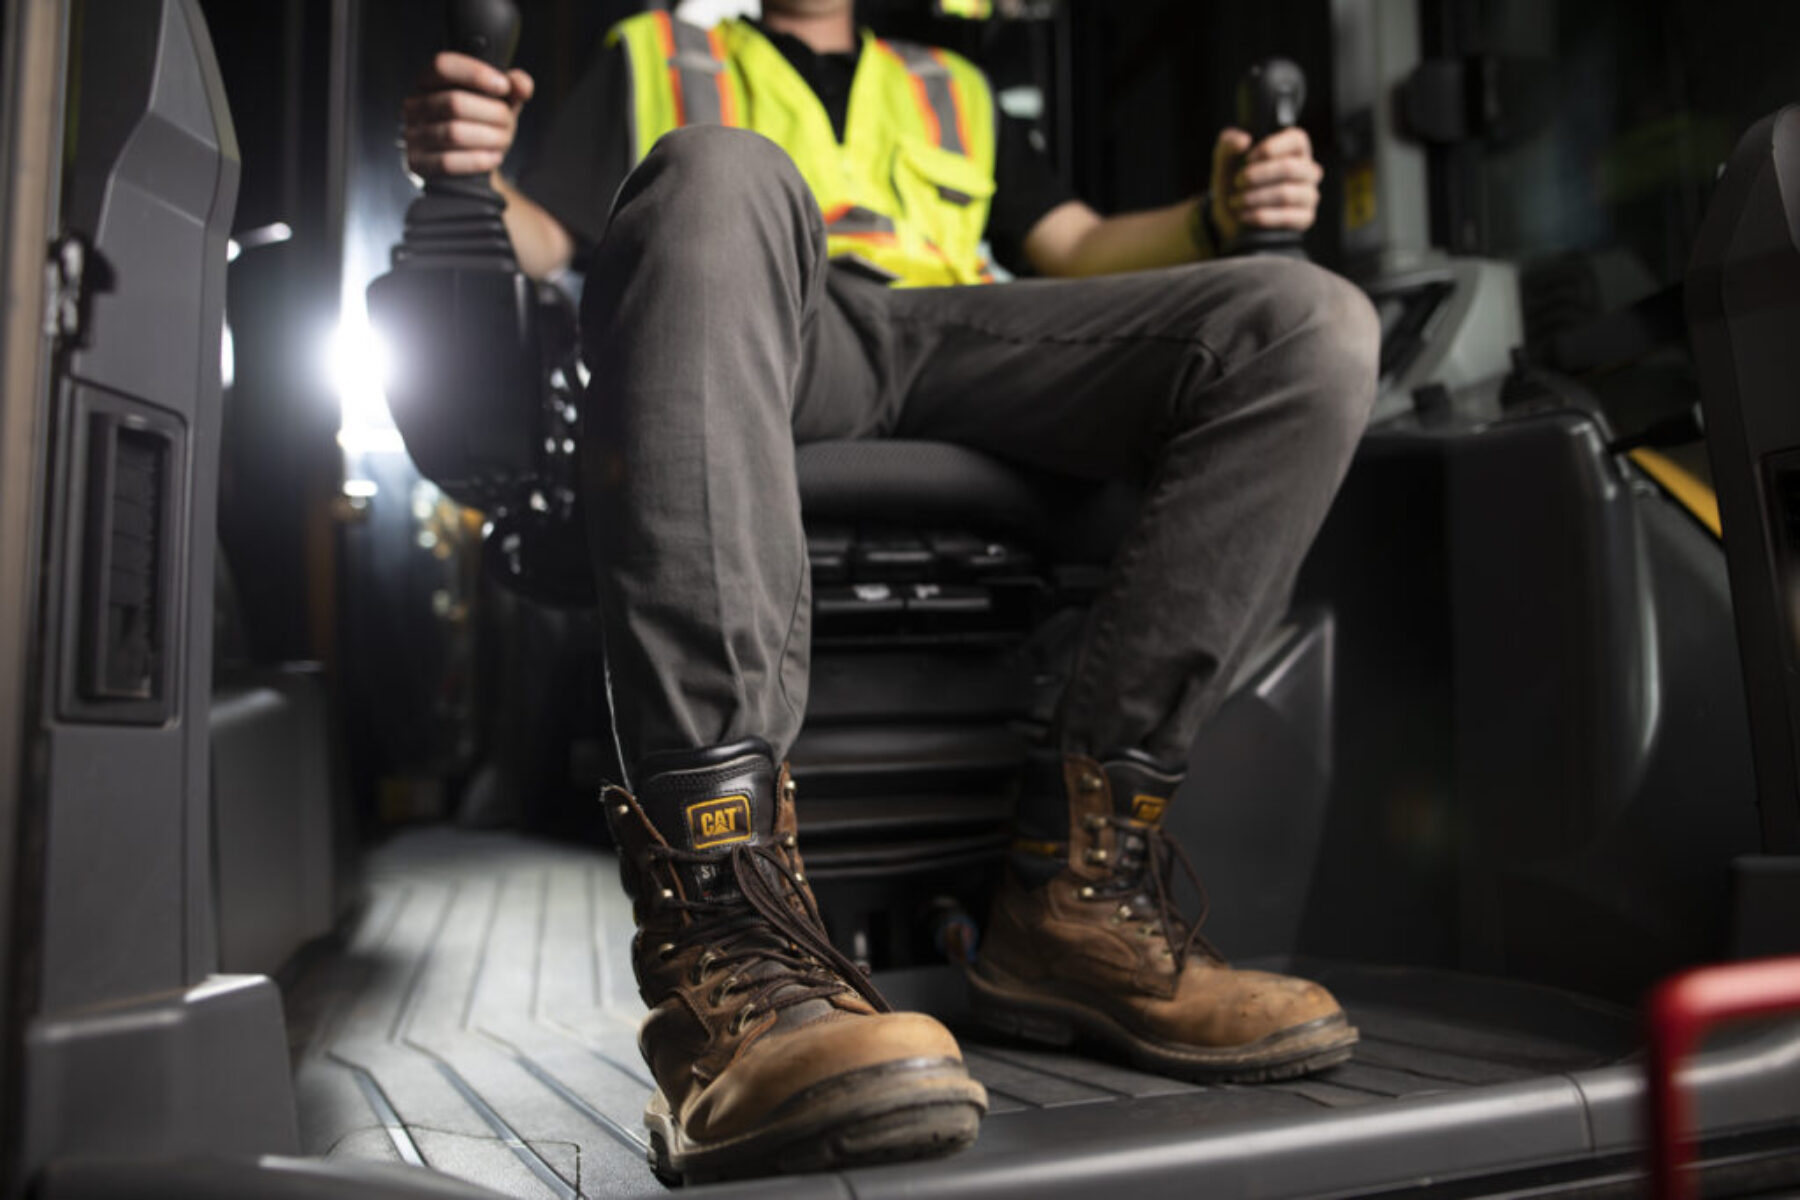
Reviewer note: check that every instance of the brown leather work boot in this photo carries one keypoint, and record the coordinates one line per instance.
(1084, 938)
(771, 1051)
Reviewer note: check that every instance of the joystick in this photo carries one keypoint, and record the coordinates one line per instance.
(483, 386)
(484, 29)
(459, 217)
(1269, 99)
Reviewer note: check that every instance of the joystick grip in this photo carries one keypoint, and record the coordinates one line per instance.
(1270, 97)
(487, 30)
(484, 29)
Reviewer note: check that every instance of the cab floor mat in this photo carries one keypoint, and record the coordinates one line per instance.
(480, 1019)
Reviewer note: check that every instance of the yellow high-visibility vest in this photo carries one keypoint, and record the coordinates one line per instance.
(908, 189)
(969, 10)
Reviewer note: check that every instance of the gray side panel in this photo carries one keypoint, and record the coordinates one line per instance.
(194, 1073)
(272, 797)
(133, 1048)
(114, 897)
(151, 190)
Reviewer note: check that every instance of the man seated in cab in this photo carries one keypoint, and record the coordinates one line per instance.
(781, 225)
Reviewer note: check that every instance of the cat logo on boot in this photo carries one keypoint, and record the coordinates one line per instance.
(1147, 810)
(719, 822)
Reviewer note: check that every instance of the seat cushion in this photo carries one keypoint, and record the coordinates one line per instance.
(919, 486)
(927, 485)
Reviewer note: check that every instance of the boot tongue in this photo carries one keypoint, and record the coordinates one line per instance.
(1141, 788)
(712, 809)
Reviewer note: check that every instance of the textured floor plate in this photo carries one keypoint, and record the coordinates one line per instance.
(481, 1019)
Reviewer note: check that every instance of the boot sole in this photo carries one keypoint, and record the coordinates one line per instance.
(920, 1108)
(1012, 1008)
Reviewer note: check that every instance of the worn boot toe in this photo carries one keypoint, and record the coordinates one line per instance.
(841, 1064)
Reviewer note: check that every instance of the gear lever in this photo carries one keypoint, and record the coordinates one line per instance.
(1269, 99)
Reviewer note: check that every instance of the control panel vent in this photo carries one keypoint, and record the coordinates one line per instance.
(126, 657)
(128, 662)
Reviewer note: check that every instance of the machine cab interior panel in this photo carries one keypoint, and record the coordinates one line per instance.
(306, 886)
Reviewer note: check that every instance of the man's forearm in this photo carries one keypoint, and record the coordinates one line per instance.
(540, 243)
(1076, 241)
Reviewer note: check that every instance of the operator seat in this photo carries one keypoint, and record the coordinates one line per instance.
(938, 484)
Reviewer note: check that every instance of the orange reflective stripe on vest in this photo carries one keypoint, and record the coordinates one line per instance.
(696, 73)
(853, 220)
(936, 92)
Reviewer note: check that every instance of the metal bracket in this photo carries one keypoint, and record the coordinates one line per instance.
(65, 288)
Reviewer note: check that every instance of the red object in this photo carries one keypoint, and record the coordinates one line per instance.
(1681, 1010)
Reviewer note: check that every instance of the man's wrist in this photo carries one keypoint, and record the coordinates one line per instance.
(1202, 230)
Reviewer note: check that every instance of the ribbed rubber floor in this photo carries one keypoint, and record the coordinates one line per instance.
(481, 1021)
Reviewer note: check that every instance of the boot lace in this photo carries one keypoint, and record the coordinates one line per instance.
(766, 933)
(1143, 878)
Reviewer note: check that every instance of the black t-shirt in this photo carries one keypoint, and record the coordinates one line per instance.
(587, 153)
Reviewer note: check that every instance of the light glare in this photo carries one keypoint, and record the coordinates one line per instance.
(360, 363)
(371, 441)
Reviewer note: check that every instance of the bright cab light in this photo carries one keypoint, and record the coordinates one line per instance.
(371, 441)
(359, 365)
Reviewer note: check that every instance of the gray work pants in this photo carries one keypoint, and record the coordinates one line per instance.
(719, 336)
